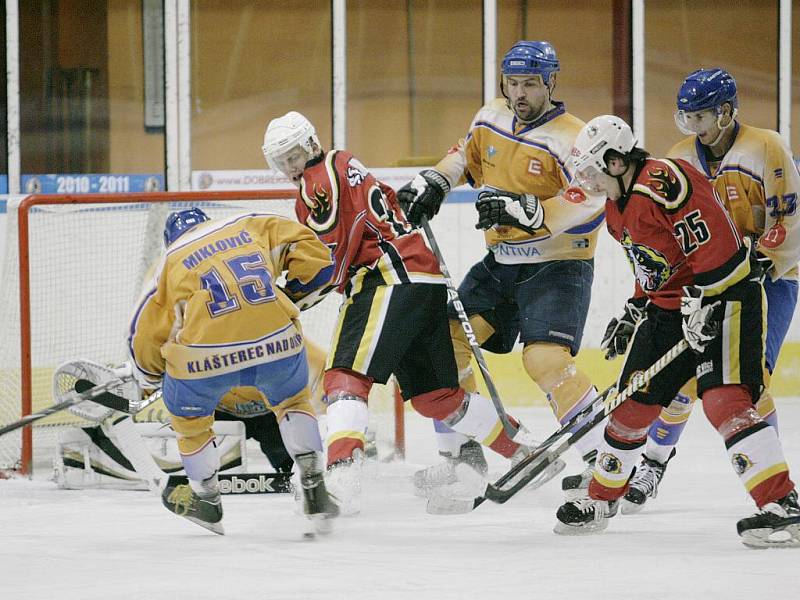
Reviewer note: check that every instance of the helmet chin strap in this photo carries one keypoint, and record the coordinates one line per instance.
(724, 128)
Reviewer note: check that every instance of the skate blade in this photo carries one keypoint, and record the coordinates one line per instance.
(575, 530)
(761, 539)
(551, 471)
(630, 508)
(215, 527)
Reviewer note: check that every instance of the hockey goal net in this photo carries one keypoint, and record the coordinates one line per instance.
(73, 269)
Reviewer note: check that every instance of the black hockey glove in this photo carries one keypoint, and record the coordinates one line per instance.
(423, 195)
(700, 326)
(765, 263)
(507, 208)
(620, 331)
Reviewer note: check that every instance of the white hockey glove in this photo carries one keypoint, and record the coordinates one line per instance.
(699, 323)
(620, 330)
(423, 195)
(507, 208)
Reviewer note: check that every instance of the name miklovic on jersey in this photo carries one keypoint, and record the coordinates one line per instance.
(502, 153)
(212, 306)
(758, 182)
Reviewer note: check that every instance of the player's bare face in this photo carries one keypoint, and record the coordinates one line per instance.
(703, 123)
(528, 96)
(292, 163)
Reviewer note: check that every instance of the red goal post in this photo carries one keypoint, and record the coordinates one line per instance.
(81, 261)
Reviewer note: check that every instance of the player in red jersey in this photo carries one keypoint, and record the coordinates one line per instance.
(702, 283)
(394, 316)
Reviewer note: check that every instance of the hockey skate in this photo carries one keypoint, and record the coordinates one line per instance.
(575, 486)
(343, 481)
(427, 481)
(204, 510)
(776, 525)
(584, 516)
(644, 484)
(318, 505)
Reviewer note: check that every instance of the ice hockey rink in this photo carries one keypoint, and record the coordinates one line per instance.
(101, 544)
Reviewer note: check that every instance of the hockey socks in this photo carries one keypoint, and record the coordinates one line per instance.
(471, 414)
(667, 428)
(300, 433)
(348, 418)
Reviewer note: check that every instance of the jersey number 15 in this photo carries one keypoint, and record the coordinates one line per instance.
(251, 276)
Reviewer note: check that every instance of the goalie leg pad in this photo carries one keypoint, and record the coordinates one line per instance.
(753, 446)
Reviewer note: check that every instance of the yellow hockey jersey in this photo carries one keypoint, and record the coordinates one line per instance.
(534, 158)
(759, 183)
(213, 306)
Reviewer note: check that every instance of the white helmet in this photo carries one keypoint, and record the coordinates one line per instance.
(285, 133)
(597, 137)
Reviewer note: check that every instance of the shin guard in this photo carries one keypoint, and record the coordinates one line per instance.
(348, 418)
(667, 428)
(753, 446)
(618, 453)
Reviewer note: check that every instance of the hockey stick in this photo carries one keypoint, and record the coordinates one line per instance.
(85, 390)
(516, 433)
(541, 457)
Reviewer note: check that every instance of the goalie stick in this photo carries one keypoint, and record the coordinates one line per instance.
(540, 457)
(99, 394)
(516, 433)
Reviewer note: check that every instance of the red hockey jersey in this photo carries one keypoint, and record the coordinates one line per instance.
(359, 218)
(676, 232)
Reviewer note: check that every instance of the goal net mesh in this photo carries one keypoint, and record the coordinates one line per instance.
(87, 265)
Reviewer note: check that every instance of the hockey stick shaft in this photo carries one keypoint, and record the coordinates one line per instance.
(610, 401)
(97, 394)
(472, 339)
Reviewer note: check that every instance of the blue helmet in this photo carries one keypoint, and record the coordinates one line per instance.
(182, 221)
(707, 88)
(531, 58)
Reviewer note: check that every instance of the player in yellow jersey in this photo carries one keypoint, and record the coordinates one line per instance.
(213, 319)
(535, 281)
(753, 173)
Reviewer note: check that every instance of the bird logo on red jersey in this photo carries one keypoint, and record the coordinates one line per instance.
(651, 268)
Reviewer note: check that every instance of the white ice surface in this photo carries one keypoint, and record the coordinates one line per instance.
(123, 545)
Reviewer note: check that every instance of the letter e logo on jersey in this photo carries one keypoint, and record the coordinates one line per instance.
(535, 166)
